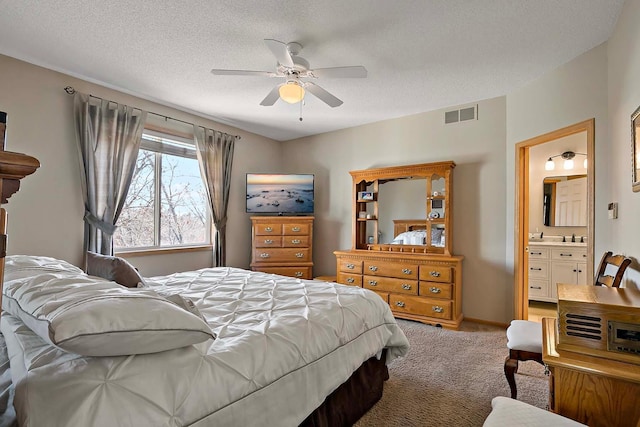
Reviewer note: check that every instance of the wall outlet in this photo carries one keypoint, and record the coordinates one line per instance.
(613, 210)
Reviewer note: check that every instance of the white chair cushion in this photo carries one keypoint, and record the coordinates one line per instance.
(525, 335)
(513, 413)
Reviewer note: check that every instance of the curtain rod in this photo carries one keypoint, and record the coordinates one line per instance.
(71, 91)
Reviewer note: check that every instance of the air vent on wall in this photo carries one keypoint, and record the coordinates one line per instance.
(578, 325)
(461, 115)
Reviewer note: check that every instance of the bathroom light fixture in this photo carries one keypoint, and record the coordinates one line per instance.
(291, 92)
(568, 160)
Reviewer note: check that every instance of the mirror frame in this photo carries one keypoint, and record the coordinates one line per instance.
(635, 150)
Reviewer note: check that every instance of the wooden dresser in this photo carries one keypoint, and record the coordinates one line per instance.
(282, 245)
(420, 282)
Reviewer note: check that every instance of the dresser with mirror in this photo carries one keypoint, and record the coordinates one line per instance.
(402, 227)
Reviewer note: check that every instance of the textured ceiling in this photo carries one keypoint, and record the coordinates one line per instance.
(421, 55)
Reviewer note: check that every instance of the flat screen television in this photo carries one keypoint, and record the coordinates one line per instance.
(290, 194)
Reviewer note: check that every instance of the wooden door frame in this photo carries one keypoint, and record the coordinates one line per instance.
(521, 223)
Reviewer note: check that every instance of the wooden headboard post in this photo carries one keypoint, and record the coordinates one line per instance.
(13, 167)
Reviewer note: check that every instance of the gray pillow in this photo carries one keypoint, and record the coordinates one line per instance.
(113, 268)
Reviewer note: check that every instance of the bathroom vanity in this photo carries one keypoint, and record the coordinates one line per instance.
(553, 262)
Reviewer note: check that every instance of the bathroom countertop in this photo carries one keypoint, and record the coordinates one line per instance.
(554, 243)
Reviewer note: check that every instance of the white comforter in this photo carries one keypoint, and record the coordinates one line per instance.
(283, 345)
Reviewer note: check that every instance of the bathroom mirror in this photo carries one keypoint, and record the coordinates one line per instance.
(564, 201)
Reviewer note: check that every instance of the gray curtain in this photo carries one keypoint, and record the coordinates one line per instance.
(215, 156)
(108, 136)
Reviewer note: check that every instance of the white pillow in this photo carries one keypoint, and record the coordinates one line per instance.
(94, 317)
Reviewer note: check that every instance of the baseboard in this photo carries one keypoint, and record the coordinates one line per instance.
(487, 322)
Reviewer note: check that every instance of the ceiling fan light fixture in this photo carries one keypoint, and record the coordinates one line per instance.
(291, 92)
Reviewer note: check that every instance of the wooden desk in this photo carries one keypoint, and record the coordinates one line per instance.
(592, 390)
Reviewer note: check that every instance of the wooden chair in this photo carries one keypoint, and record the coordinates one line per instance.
(524, 337)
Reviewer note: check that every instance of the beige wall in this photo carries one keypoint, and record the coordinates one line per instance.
(45, 217)
(477, 147)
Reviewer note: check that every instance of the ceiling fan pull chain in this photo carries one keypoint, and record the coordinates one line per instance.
(301, 102)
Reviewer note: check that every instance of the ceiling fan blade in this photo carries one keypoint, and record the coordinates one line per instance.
(280, 51)
(218, 72)
(355, 72)
(323, 95)
(272, 97)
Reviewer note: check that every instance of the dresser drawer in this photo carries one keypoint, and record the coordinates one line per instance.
(387, 284)
(538, 288)
(349, 279)
(293, 229)
(350, 266)
(536, 252)
(295, 241)
(538, 270)
(419, 305)
(434, 273)
(265, 229)
(569, 254)
(297, 272)
(391, 269)
(267, 241)
(436, 290)
(282, 255)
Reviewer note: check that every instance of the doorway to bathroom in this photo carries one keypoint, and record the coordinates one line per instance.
(554, 216)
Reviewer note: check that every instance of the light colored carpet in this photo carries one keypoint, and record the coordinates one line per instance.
(449, 378)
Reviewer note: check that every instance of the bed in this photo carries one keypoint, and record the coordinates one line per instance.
(281, 351)
(415, 232)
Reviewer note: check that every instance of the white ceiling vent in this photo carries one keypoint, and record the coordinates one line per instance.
(461, 115)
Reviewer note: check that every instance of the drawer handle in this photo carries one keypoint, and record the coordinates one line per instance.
(296, 241)
(351, 266)
(400, 304)
(437, 309)
(299, 255)
(264, 255)
(435, 290)
(268, 241)
(435, 273)
(566, 254)
(295, 228)
(268, 229)
(536, 253)
(406, 271)
(535, 268)
(299, 274)
(373, 268)
(350, 280)
(535, 287)
(406, 286)
(373, 283)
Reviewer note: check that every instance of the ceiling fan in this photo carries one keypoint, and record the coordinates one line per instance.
(295, 68)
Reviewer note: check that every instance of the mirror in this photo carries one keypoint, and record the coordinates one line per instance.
(400, 198)
(564, 201)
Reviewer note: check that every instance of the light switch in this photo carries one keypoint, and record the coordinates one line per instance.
(613, 210)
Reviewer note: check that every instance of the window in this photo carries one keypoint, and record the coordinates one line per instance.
(167, 204)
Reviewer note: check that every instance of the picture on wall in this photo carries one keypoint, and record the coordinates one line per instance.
(635, 149)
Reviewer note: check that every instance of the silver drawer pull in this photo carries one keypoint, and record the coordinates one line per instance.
(268, 241)
(373, 268)
(406, 286)
(535, 287)
(299, 274)
(268, 229)
(351, 266)
(295, 228)
(406, 271)
(373, 283)
(536, 253)
(299, 255)
(264, 255)
(435, 290)
(535, 268)
(437, 309)
(566, 254)
(434, 273)
(400, 304)
(350, 280)
(296, 241)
